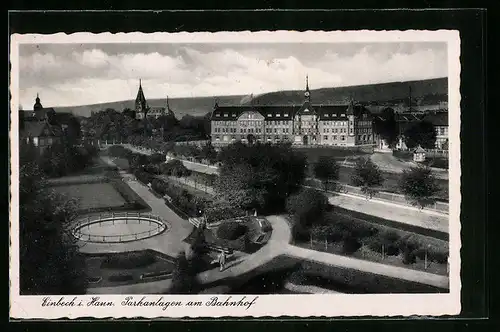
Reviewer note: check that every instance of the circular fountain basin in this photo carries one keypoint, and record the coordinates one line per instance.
(118, 229)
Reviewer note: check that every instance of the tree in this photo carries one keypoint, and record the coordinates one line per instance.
(307, 206)
(259, 176)
(49, 259)
(385, 125)
(419, 185)
(184, 276)
(444, 146)
(420, 133)
(367, 175)
(326, 169)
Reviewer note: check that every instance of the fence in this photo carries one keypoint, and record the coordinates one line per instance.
(157, 226)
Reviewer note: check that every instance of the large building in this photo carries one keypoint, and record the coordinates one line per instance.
(143, 110)
(305, 125)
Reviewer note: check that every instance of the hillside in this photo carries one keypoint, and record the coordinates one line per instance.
(196, 106)
(424, 92)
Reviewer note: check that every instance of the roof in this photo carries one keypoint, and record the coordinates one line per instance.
(437, 118)
(419, 150)
(286, 112)
(35, 129)
(408, 117)
(63, 117)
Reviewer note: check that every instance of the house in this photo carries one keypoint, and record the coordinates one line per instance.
(439, 120)
(419, 154)
(39, 126)
(308, 124)
(40, 133)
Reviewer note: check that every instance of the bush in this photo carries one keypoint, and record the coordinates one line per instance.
(231, 230)
(156, 158)
(350, 245)
(174, 167)
(307, 206)
(409, 256)
(144, 177)
(129, 260)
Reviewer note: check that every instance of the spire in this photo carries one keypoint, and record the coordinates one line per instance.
(307, 93)
(37, 105)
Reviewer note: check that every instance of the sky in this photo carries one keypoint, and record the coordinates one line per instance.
(81, 74)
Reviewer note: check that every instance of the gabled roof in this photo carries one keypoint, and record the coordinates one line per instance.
(35, 129)
(419, 150)
(437, 118)
(287, 112)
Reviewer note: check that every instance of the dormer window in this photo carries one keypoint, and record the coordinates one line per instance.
(343, 114)
(217, 115)
(286, 114)
(234, 115)
(226, 115)
(269, 115)
(278, 115)
(326, 115)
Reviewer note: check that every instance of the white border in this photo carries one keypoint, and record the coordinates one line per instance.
(267, 305)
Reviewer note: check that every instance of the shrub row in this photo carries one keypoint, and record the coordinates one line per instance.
(231, 230)
(130, 260)
(354, 233)
(181, 198)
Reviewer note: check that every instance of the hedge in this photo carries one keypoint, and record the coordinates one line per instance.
(181, 198)
(231, 230)
(130, 260)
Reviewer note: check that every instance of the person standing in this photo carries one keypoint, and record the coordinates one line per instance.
(222, 260)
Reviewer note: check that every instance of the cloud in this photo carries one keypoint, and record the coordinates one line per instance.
(79, 76)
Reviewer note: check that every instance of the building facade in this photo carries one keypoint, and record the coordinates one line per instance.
(303, 125)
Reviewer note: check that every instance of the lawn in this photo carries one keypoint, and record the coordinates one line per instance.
(93, 195)
(114, 269)
(340, 154)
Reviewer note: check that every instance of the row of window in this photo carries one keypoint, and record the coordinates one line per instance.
(334, 137)
(257, 138)
(335, 123)
(335, 130)
(441, 131)
(364, 130)
(287, 122)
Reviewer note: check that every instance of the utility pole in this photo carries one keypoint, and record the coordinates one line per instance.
(409, 98)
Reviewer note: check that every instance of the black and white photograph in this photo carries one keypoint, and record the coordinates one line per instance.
(260, 174)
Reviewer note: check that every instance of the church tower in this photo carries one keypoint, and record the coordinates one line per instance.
(38, 104)
(307, 93)
(350, 117)
(141, 106)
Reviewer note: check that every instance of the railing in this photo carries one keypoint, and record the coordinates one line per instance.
(116, 218)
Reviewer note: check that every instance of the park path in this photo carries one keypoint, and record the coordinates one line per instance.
(391, 211)
(278, 245)
(389, 163)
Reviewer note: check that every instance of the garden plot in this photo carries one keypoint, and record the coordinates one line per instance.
(93, 195)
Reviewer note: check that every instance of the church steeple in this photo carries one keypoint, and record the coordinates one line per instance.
(140, 100)
(307, 93)
(38, 104)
